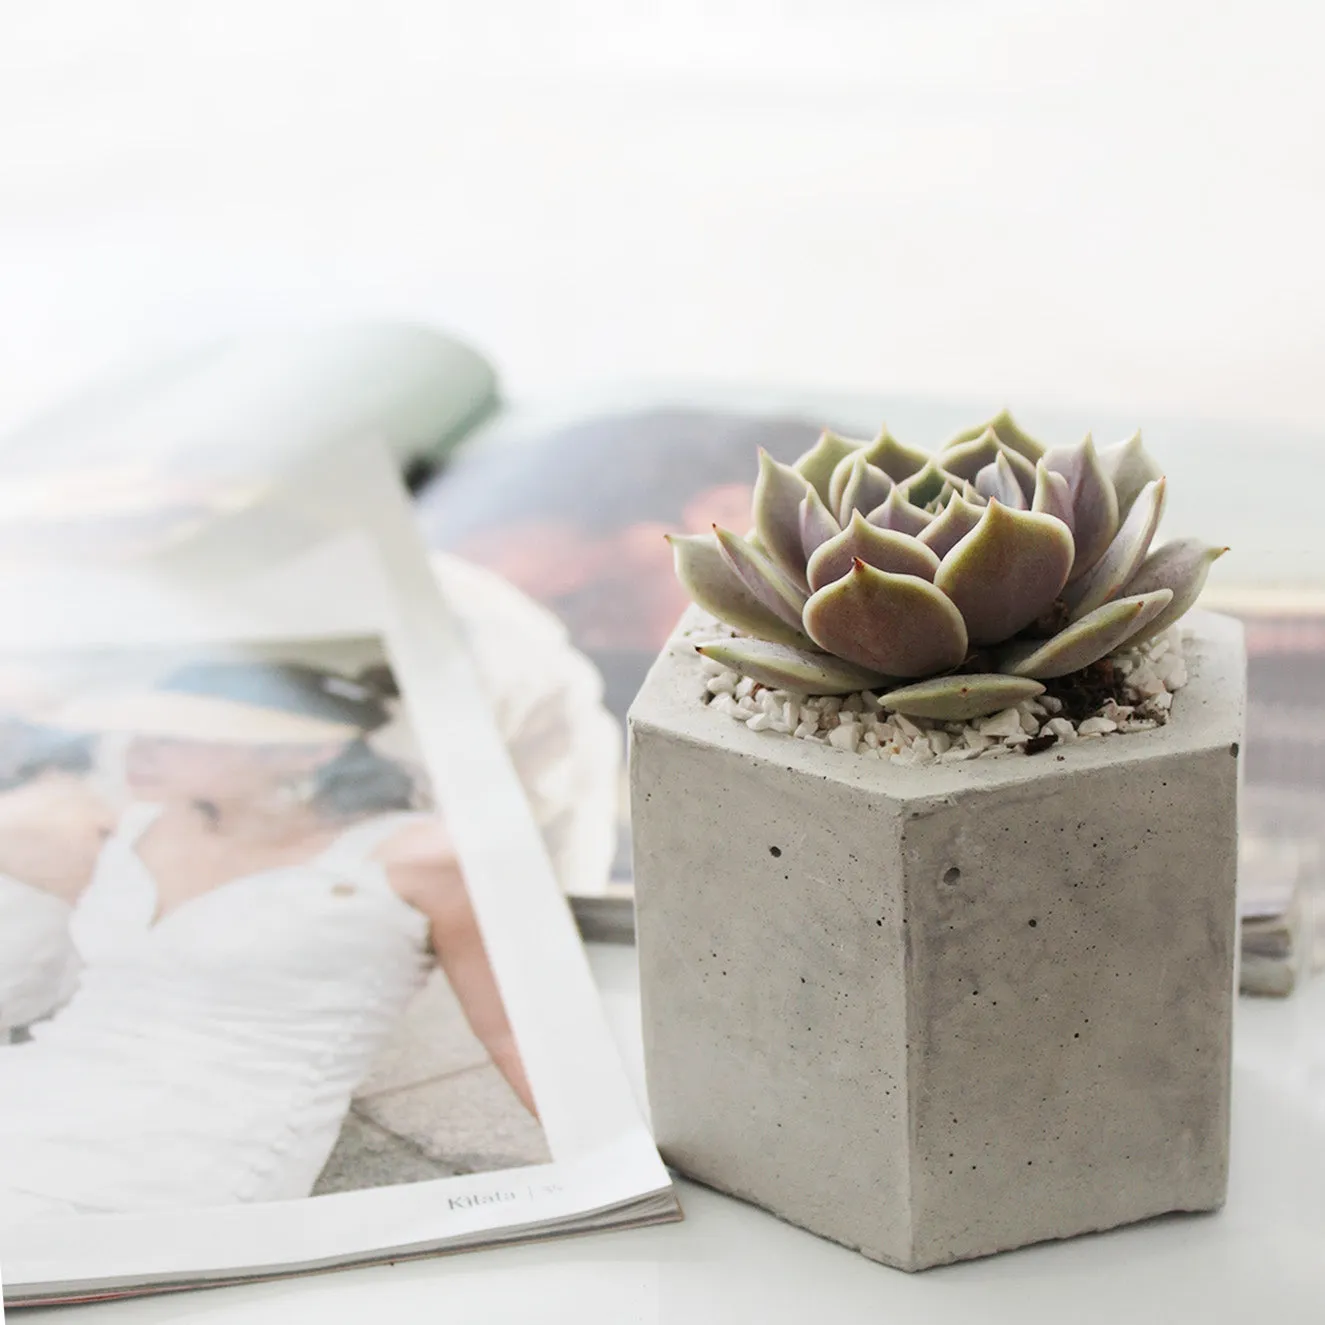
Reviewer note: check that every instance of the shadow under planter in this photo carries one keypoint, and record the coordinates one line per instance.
(937, 1012)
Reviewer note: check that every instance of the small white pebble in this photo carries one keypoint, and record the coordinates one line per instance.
(1161, 702)
(871, 738)
(1178, 677)
(853, 704)
(760, 722)
(870, 701)
(905, 725)
(1096, 727)
(1061, 728)
(1051, 704)
(845, 736)
(1018, 738)
(711, 666)
(957, 754)
(726, 704)
(940, 742)
(722, 684)
(744, 686)
(779, 726)
(977, 740)
(1005, 723)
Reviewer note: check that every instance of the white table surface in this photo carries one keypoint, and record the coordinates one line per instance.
(1260, 1259)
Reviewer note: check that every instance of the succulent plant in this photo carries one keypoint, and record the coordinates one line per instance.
(957, 583)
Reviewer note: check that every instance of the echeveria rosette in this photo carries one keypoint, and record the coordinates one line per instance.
(958, 583)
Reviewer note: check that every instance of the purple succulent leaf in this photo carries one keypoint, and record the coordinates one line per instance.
(1006, 572)
(1052, 496)
(1129, 467)
(817, 526)
(1086, 641)
(961, 697)
(1007, 430)
(884, 549)
(779, 492)
(950, 526)
(712, 584)
(998, 481)
(817, 464)
(895, 624)
(896, 460)
(1125, 554)
(804, 671)
(1180, 566)
(898, 513)
(866, 487)
(1094, 502)
(761, 576)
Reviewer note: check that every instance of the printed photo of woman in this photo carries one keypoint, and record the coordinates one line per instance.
(251, 923)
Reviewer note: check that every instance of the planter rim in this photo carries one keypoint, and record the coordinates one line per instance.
(1202, 719)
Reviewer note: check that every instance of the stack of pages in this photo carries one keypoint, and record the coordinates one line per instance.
(287, 811)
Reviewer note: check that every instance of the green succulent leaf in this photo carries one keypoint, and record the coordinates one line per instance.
(711, 582)
(760, 575)
(899, 625)
(817, 526)
(1129, 467)
(805, 671)
(779, 491)
(1180, 566)
(866, 487)
(1094, 502)
(896, 460)
(1086, 641)
(817, 464)
(959, 698)
(966, 459)
(1125, 554)
(998, 481)
(1008, 432)
(950, 526)
(1006, 572)
(899, 514)
(884, 549)
(926, 484)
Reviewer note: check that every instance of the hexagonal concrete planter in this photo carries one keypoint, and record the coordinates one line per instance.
(937, 1012)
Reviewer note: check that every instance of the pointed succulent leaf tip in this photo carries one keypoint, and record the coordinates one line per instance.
(779, 491)
(817, 464)
(1094, 502)
(899, 462)
(895, 624)
(898, 513)
(1008, 432)
(884, 549)
(1052, 494)
(805, 671)
(924, 485)
(966, 459)
(997, 480)
(1181, 566)
(959, 698)
(1125, 554)
(1129, 467)
(950, 526)
(817, 526)
(761, 576)
(865, 488)
(1086, 641)
(1006, 572)
(714, 586)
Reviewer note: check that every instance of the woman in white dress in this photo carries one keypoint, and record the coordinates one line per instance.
(264, 911)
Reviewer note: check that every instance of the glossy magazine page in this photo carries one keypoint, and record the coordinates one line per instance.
(286, 978)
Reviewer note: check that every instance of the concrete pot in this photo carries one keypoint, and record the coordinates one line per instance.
(938, 1012)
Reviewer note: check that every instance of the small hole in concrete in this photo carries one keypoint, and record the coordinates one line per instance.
(1233, 749)
(951, 874)
(774, 851)
(1032, 923)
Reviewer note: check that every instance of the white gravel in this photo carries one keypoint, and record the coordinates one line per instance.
(856, 724)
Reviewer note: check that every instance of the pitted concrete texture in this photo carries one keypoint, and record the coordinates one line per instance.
(938, 1012)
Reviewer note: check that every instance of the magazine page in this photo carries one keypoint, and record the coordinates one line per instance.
(285, 977)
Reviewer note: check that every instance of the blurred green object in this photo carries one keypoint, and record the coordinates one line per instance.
(271, 396)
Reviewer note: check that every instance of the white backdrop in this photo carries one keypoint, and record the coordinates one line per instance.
(1116, 203)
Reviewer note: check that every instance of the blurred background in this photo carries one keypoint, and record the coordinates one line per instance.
(1084, 204)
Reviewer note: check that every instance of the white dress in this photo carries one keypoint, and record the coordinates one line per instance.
(208, 1057)
(38, 964)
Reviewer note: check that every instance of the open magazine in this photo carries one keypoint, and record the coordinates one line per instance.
(286, 978)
